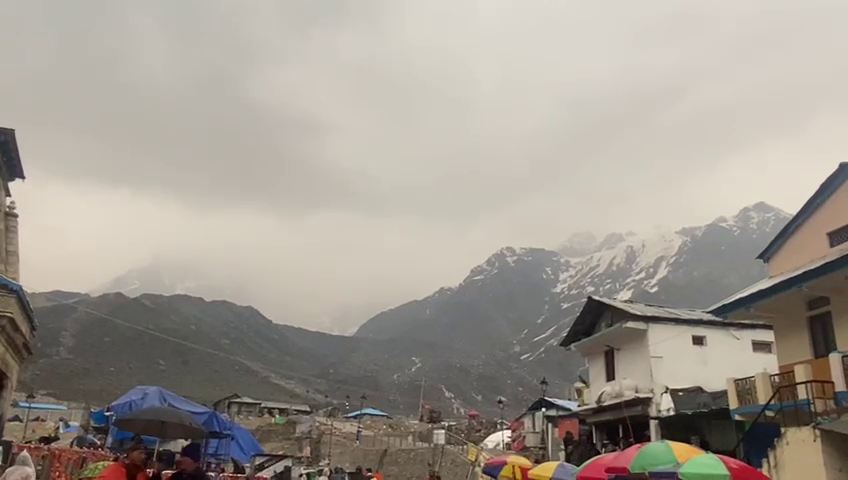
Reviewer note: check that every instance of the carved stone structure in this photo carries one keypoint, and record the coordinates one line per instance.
(17, 322)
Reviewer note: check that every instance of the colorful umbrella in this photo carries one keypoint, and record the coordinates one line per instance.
(511, 467)
(652, 456)
(93, 470)
(595, 467)
(553, 471)
(714, 467)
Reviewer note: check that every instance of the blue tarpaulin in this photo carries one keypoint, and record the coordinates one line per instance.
(367, 412)
(144, 397)
(241, 445)
(240, 442)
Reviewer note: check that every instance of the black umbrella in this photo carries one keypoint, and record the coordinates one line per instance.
(161, 422)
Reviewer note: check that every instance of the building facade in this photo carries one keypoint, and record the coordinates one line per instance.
(641, 358)
(796, 410)
(17, 322)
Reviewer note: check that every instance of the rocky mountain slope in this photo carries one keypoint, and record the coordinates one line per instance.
(522, 301)
(495, 333)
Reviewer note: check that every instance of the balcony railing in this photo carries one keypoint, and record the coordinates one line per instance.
(758, 388)
(746, 391)
(784, 379)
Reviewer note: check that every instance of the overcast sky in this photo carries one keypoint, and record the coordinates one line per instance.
(336, 155)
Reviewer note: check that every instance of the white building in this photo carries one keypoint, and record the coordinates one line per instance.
(639, 356)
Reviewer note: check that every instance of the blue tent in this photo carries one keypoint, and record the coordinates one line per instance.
(367, 412)
(144, 397)
(240, 442)
(241, 445)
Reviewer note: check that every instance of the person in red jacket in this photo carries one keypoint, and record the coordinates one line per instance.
(131, 467)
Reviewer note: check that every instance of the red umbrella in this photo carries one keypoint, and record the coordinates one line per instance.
(595, 467)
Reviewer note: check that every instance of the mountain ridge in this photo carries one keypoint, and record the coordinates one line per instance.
(495, 333)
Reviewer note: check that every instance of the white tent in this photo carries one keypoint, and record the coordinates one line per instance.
(498, 440)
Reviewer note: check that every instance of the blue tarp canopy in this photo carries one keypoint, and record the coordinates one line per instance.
(144, 397)
(241, 445)
(240, 442)
(39, 406)
(367, 412)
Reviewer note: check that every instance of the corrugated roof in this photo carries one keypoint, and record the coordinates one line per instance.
(586, 321)
(769, 287)
(656, 311)
(287, 406)
(821, 195)
(245, 400)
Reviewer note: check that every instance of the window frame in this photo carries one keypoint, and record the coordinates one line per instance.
(838, 236)
(700, 338)
(768, 343)
(609, 364)
(822, 334)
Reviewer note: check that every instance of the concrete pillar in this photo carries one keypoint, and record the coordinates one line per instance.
(803, 373)
(837, 371)
(2, 229)
(762, 382)
(732, 396)
(653, 423)
(13, 259)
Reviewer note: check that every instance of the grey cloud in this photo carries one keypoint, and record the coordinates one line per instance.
(401, 141)
(432, 109)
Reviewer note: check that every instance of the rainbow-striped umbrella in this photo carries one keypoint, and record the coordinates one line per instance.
(507, 467)
(553, 471)
(652, 456)
(713, 467)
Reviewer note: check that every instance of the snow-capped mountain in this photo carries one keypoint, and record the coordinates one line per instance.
(521, 301)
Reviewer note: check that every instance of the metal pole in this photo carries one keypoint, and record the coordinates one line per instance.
(421, 401)
(359, 419)
(26, 422)
(330, 449)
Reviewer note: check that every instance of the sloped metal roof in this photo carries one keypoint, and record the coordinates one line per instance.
(586, 321)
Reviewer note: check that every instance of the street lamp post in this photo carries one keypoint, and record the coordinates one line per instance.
(501, 404)
(543, 384)
(359, 418)
(332, 413)
(29, 398)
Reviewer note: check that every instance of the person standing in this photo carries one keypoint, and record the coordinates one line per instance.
(189, 467)
(23, 469)
(131, 467)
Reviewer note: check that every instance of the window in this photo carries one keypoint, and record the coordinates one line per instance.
(699, 340)
(609, 363)
(762, 346)
(838, 236)
(817, 303)
(821, 334)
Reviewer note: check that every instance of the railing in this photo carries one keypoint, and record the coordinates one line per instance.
(816, 401)
(784, 379)
(746, 391)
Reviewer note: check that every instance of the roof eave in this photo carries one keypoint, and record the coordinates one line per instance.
(833, 266)
(821, 195)
(12, 166)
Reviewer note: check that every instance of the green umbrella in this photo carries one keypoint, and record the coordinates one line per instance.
(93, 470)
